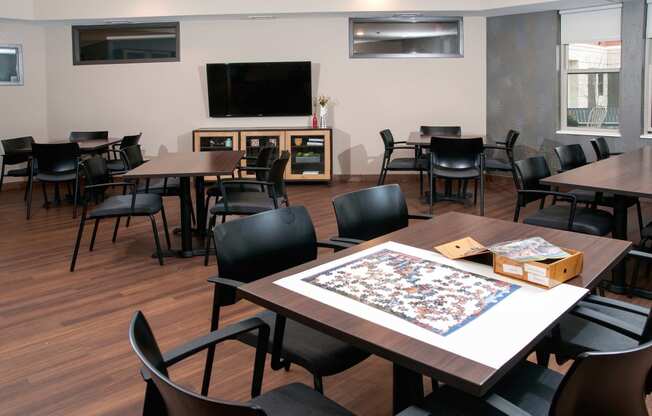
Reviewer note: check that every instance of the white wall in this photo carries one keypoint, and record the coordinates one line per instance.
(23, 109)
(166, 101)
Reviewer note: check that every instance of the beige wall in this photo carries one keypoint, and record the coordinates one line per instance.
(23, 108)
(166, 101)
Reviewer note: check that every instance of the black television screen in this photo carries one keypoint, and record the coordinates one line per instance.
(259, 89)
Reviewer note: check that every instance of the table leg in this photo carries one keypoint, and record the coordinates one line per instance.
(200, 205)
(408, 388)
(186, 223)
(620, 232)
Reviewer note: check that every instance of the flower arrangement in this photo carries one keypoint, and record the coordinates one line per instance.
(323, 100)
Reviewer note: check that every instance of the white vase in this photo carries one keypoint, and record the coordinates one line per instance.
(323, 111)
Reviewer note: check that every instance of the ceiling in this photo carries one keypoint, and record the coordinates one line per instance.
(144, 10)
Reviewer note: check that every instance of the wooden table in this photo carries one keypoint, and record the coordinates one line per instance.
(625, 176)
(419, 140)
(185, 166)
(413, 358)
(86, 146)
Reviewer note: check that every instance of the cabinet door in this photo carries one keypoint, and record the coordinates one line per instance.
(252, 141)
(310, 155)
(215, 141)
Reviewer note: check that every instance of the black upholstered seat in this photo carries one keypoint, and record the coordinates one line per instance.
(313, 350)
(246, 203)
(56, 177)
(116, 165)
(120, 205)
(165, 397)
(528, 173)
(119, 164)
(587, 220)
(495, 164)
(456, 173)
(403, 163)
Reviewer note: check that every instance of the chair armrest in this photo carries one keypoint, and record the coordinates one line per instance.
(400, 147)
(616, 304)
(501, 142)
(230, 332)
(347, 240)
(607, 321)
(505, 406)
(420, 216)
(562, 195)
(496, 147)
(105, 185)
(253, 168)
(225, 282)
(414, 411)
(615, 153)
(335, 245)
(400, 142)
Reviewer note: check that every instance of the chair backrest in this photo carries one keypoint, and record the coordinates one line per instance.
(56, 157)
(450, 131)
(510, 139)
(451, 153)
(528, 173)
(130, 140)
(76, 136)
(95, 171)
(570, 156)
(605, 383)
(371, 212)
(264, 160)
(388, 141)
(177, 401)
(277, 173)
(133, 156)
(601, 148)
(14, 149)
(259, 245)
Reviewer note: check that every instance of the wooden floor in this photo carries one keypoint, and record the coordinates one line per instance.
(64, 348)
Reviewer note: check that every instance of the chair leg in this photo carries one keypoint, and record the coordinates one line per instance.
(2, 173)
(209, 238)
(115, 229)
(97, 223)
(481, 194)
(223, 218)
(74, 197)
(475, 192)
(128, 221)
(165, 227)
(382, 171)
(543, 358)
(30, 186)
(421, 183)
(79, 237)
(286, 365)
(639, 213)
(45, 196)
(210, 352)
(431, 191)
(632, 283)
(319, 383)
(192, 213)
(159, 253)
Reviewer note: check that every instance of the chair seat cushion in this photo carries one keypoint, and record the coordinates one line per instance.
(315, 351)
(56, 177)
(146, 204)
(297, 399)
(402, 163)
(245, 203)
(495, 164)
(17, 172)
(116, 165)
(161, 187)
(587, 221)
(528, 386)
(456, 173)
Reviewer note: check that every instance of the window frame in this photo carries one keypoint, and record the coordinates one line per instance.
(647, 88)
(420, 19)
(76, 52)
(20, 70)
(563, 104)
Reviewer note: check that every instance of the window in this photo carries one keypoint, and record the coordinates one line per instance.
(125, 43)
(648, 73)
(403, 37)
(11, 65)
(590, 69)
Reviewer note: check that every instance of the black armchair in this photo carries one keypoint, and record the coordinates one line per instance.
(118, 162)
(402, 164)
(597, 384)
(257, 246)
(16, 151)
(98, 179)
(369, 213)
(528, 173)
(601, 148)
(163, 397)
(507, 146)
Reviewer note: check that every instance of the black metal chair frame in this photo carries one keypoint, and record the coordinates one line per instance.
(506, 146)
(10, 158)
(387, 156)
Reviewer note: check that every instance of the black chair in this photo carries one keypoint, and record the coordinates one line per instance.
(563, 217)
(16, 151)
(76, 136)
(597, 384)
(601, 148)
(598, 324)
(450, 131)
(98, 178)
(54, 163)
(252, 248)
(507, 146)
(400, 164)
(456, 159)
(262, 165)
(369, 213)
(248, 197)
(118, 164)
(163, 397)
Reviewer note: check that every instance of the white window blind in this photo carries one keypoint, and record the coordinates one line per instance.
(590, 24)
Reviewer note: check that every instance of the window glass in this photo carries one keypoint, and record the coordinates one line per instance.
(10, 65)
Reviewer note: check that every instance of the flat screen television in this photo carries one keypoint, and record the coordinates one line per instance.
(259, 89)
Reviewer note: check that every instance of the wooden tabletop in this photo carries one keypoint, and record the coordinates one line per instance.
(601, 254)
(188, 164)
(85, 145)
(626, 174)
(417, 139)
